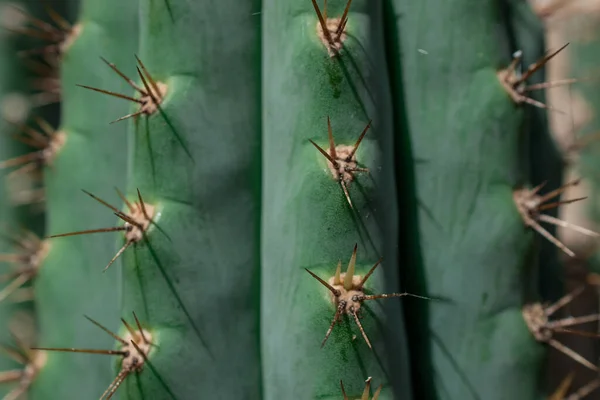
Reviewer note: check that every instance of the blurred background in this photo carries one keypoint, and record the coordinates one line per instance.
(575, 126)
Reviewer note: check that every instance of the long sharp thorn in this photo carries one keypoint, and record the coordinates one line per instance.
(571, 321)
(57, 18)
(89, 351)
(377, 392)
(43, 35)
(127, 203)
(577, 333)
(332, 151)
(147, 74)
(122, 75)
(323, 24)
(327, 156)
(342, 28)
(14, 285)
(539, 64)
(585, 390)
(135, 114)
(342, 23)
(539, 187)
(127, 218)
(367, 389)
(360, 138)
(14, 354)
(114, 385)
(150, 93)
(563, 301)
(105, 329)
(559, 203)
(343, 390)
(10, 258)
(34, 134)
(539, 104)
(555, 221)
(357, 170)
(130, 330)
(29, 142)
(561, 392)
(25, 169)
(121, 250)
(119, 95)
(11, 376)
(571, 354)
(362, 331)
(389, 295)
(98, 199)
(139, 350)
(140, 329)
(17, 392)
(35, 21)
(20, 344)
(538, 228)
(337, 280)
(143, 206)
(26, 158)
(115, 229)
(346, 193)
(553, 193)
(368, 275)
(336, 316)
(349, 277)
(9, 276)
(549, 85)
(327, 285)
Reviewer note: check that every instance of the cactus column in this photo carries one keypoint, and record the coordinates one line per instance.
(92, 157)
(318, 201)
(465, 130)
(193, 280)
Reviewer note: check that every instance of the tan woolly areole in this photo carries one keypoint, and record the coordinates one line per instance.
(70, 38)
(537, 321)
(33, 261)
(149, 106)
(135, 233)
(33, 368)
(57, 142)
(345, 168)
(338, 40)
(527, 202)
(530, 205)
(133, 360)
(349, 296)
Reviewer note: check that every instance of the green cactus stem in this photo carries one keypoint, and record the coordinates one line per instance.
(324, 79)
(192, 291)
(92, 156)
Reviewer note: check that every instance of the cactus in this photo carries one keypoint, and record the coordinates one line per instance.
(312, 213)
(477, 115)
(292, 208)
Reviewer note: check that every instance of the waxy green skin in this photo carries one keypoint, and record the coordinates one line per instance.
(307, 222)
(70, 282)
(204, 305)
(465, 128)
